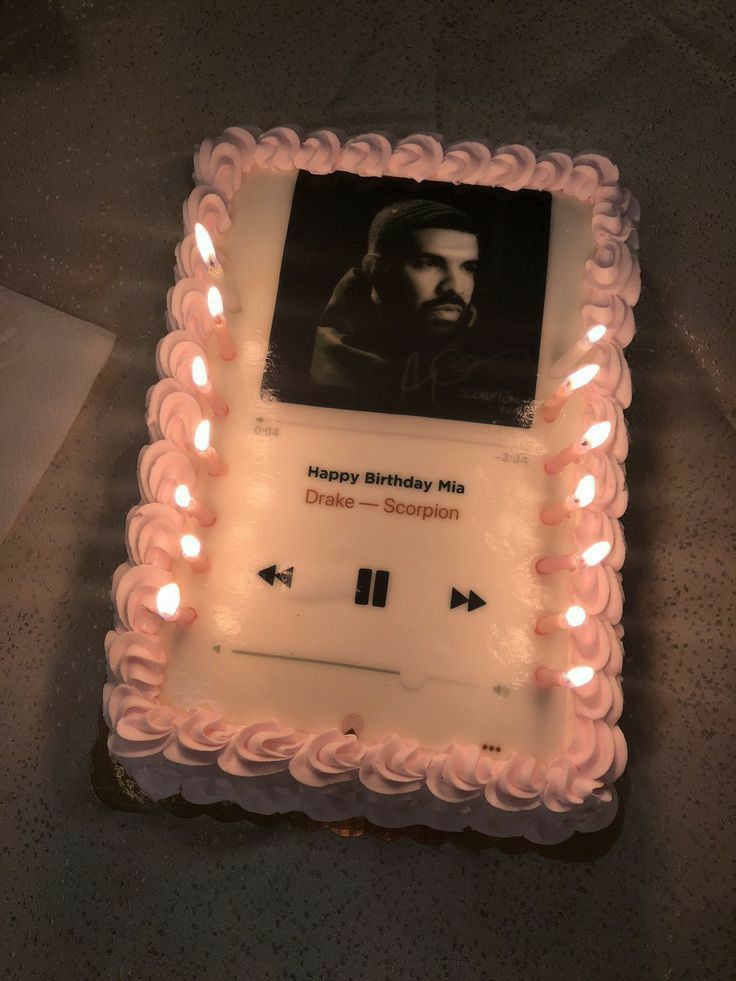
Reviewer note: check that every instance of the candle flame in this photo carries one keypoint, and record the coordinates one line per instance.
(205, 244)
(595, 553)
(199, 371)
(585, 491)
(581, 675)
(596, 435)
(202, 436)
(582, 376)
(182, 496)
(596, 333)
(190, 546)
(168, 599)
(214, 302)
(575, 616)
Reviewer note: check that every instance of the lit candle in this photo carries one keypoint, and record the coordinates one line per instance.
(206, 249)
(185, 502)
(593, 555)
(225, 346)
(572, 678)
(552, 406)
(203, 384)
(581, 497)
(571, 619)
(208, 452)
(590, 338)
(591, 439)
(168, 605)
(191, 549)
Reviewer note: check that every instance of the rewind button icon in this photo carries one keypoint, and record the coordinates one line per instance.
(270, 575)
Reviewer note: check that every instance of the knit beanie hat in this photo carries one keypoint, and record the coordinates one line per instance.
(392, 224)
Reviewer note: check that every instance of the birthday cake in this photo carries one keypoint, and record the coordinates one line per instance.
(375, 566)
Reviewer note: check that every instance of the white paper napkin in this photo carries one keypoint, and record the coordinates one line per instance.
(48, 362)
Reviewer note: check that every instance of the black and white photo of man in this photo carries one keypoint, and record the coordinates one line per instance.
(411, 318)
(410, 298)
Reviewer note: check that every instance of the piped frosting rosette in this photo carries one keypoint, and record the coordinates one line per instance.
(602, 409)
(611, 311)
(172, 413)
(613, 378)
(459, 773)
(597, 526)
(134, 591)
(614, 269)
(598, 645)
(193, 277)
(611, 494)
(517, 784)
(261, 749)
(187, 310)
(394, 766)
(328, 757)
(601, 698)
(277, 148)
(552, 171)
(175, 354)
(220, 164)
(319, 152)
(464, 163)
(367, 155)
(418, 157)
(143, 727)
(139, 725)
(190, 264)
(162, 467)
(511, 167)
(198, 738)
(204, 206)
(152, 533)
(135, 658)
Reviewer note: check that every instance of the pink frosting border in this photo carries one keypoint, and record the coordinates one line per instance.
(142, 727)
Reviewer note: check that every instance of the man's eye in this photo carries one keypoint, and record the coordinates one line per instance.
(424, 263)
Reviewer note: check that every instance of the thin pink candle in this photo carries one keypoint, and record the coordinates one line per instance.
(208, 453)
(571, 619)
(581, 497)
(200, 378)
(168, 605)
(572, 678)
(593, 555)
(225, 346)
(206, 250)
(191, 549)
(591, 439)
(589, 339)
(199, 511)
(552, 406)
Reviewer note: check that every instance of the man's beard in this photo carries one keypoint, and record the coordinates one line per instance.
(431, 322)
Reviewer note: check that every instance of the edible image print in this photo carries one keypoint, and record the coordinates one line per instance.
(417, 299)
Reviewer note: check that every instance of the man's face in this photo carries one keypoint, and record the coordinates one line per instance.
(431, 285)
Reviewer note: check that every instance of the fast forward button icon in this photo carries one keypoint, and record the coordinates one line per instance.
(473, 600)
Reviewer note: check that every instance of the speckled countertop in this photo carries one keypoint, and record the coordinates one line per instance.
(101, 105)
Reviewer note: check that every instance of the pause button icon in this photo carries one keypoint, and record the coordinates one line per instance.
(363, 585)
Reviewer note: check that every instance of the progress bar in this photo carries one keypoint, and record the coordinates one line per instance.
(354, 667)
(314, 660)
